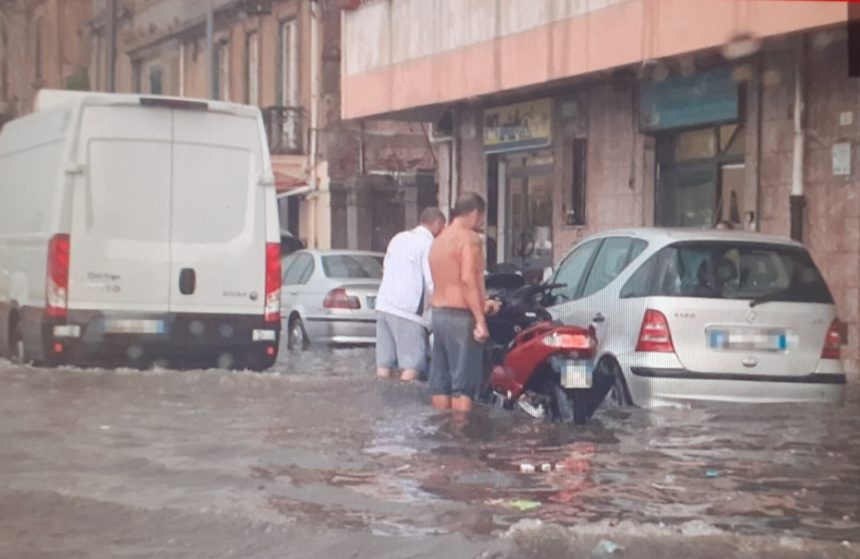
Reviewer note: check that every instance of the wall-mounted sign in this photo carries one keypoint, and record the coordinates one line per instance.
(516, 127)
(841, 154)
(681, 101)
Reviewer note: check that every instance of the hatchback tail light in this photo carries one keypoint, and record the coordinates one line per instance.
(833, 341)
(654, 336)
(272, 311)
(57, 277)
(338, 299)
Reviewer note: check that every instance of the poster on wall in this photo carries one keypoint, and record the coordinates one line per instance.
(516, 127)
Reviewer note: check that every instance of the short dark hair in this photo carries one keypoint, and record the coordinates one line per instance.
(431, 215)
(469, 203)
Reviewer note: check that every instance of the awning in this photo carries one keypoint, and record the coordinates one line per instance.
(285, 182)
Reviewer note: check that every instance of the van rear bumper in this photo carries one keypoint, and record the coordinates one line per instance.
(97, 338)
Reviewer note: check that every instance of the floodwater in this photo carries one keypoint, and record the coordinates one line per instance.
(319, 458)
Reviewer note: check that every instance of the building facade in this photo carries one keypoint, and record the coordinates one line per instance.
(576, 116)
(341, 184)
(43, 43)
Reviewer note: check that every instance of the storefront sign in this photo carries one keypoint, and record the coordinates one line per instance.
(517, 127)
(683, 101)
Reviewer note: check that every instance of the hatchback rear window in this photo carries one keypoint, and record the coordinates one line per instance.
(352, 266)
(731, 270)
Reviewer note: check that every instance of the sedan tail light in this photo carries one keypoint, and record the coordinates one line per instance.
(833, 341)
(654, 336)
(338, 299)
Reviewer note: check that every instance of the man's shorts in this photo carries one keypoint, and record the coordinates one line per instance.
(400, 343)
(456, 368)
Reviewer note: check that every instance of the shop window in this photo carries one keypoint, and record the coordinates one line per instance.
(576, 214)
(701, 176)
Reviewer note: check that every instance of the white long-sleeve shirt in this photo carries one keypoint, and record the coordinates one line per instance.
(407, 284)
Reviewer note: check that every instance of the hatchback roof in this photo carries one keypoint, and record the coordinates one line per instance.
(664, 235)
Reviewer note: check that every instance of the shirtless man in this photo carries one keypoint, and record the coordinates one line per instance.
(460, 307)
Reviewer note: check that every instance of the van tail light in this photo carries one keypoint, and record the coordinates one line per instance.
(272, 311)
(338, 299)
(57, 277)
(654, 336)
(833, 341)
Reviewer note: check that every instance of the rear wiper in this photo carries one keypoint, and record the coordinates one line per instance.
(772, 296)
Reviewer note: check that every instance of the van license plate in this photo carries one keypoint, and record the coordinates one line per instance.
(576, 373)
(133, 326)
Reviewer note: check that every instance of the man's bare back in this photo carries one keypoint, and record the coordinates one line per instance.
(455, 251)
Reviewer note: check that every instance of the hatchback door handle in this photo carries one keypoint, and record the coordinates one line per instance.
(187, 281)
(598, 318)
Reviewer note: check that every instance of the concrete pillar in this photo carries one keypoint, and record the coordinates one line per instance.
(359, 222)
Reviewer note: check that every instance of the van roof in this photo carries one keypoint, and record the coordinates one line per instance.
(50, 98)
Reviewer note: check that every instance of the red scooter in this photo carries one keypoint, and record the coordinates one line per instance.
(533, 363)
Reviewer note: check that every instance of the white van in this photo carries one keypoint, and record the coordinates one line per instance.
(138, 229)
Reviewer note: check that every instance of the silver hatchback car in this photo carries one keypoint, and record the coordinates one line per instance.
(686, 315)
(329, 297)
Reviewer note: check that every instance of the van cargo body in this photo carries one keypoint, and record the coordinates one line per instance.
(137, 230)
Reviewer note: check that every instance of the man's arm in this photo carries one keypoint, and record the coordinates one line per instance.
(472, 278)
(428, 274)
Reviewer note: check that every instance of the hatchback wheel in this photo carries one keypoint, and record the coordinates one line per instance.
(297, 337)
(618, 395)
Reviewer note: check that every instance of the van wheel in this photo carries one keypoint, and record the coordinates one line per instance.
(17, 352)
(297, 337)
(619, 395)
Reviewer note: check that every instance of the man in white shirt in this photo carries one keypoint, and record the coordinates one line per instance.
(403, 300)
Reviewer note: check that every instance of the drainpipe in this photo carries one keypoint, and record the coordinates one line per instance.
(314, 124)
(797, 199)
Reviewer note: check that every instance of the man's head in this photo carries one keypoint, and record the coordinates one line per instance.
(470, 210)
(433, 219)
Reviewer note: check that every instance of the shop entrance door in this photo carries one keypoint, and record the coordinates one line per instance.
(528, 193)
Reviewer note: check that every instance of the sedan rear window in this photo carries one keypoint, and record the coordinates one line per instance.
(730, 270)
(352, 266)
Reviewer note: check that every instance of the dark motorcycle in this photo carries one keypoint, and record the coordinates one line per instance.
(537, 364)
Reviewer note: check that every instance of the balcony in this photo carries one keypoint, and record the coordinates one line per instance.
(285, 129)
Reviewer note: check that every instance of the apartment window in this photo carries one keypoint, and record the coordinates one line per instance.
(156, 80)
(252, 68)
(288, 63)
(576, 213)
(222, 75)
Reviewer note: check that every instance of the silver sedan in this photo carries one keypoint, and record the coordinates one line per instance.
(329, 296)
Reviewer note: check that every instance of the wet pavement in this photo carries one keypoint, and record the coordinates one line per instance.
(319, 459)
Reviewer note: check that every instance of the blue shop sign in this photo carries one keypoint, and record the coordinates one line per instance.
(682, 101)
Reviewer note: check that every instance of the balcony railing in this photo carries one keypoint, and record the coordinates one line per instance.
(285, 129)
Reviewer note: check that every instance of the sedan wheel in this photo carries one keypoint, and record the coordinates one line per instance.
(297, 337)
(17, 352)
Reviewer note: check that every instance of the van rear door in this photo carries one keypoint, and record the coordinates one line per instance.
(218, 214)
(120, 227)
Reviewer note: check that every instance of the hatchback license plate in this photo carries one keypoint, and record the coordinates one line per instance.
(727, 339)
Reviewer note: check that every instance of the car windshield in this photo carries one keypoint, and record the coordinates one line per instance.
(730, 270)
(352, 266)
